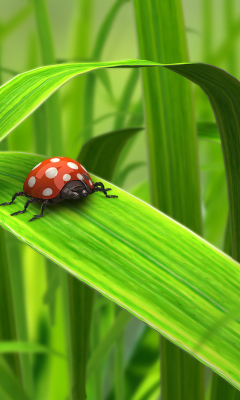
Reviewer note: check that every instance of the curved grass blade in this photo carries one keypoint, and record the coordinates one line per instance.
(144, 261)
(23, 94)
(100, 154)
(120, 178)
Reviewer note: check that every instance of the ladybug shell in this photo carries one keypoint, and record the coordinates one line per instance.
(47, 178)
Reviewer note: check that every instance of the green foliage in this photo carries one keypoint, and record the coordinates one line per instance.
(40, 311)
(162, 282)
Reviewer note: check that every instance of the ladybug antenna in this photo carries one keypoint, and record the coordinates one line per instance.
(99, 187)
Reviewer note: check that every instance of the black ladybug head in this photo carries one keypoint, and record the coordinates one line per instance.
(75, 189)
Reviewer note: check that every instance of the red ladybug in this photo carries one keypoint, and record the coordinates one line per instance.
(54, 180)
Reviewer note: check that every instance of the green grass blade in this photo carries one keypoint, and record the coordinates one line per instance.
(221, 390)
(7, 312)
(83, 27)
(16, 269)
(150, 385)
(126, 99)
(15, 21)
(172, 155)
(23, 94)
(80, 307)
(154, 268)
(96, 383)
(120, 178)
(102, 35)
(26, 347)
(223, 92)
(9, 386)
(47, 51)
(100, 154)
(142, 192)
(226, 47)
(107, 342)
(208, 131)
(119, 382)
(145, 355)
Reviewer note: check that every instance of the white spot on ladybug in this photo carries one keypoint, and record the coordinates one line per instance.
(90, 182)
(51, 172)
(31, 181)
(72, 165)
(55, 159)
(36, 166)
(47, 192)
(66, 177)
(80, 177)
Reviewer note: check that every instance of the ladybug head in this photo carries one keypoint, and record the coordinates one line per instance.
(75, 190)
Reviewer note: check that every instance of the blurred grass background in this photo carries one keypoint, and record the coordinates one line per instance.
(125, 364)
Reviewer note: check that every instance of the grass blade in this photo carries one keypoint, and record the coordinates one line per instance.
(101, 154)
(7, 312)
(15, 21)
(80, 306)
(208, 131)
(172, 156)
(154, 268)
(9, 386)
(104, 346)
(26, 347)
(102, 36)
(81, 50)
(18, 289)
(144, 357)
(47, 51)
(126, 99)
(33, 87)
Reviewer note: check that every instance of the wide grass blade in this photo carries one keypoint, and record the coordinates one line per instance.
(140, 259)
(172, 157)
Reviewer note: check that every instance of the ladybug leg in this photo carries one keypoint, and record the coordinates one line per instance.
(14, 197)
(44, 204)
(99, 187)
(33, 200)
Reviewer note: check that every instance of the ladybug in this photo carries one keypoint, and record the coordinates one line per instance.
(54, 180)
